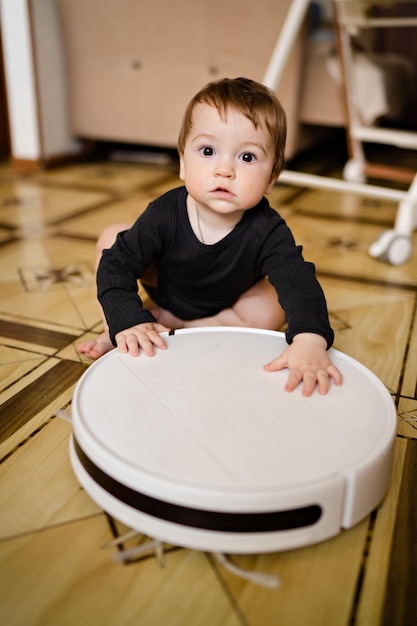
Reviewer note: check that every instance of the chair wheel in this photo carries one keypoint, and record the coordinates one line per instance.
(353, 171)
(390, 247)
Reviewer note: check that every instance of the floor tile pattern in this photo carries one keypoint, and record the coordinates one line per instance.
(53, 568)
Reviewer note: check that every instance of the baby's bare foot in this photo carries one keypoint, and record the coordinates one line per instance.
(95, 348)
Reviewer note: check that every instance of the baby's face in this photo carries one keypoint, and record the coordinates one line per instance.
(227, 163)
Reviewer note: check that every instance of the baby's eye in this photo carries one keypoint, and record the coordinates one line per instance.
(248, 157)
(207, 151)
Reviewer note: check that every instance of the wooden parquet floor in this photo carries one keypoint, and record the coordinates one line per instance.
(53, 570)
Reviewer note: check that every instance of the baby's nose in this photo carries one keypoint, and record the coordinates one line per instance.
(224, 168)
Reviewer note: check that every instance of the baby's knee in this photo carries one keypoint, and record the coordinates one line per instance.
(268, 313)
(109, 234)
(269, 318)
(274, 319)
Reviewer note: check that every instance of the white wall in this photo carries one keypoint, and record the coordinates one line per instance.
(39, 125)
(24, 132)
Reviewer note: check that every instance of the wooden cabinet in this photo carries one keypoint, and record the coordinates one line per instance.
(133, 65)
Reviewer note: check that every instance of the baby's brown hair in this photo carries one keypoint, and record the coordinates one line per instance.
(257, 102)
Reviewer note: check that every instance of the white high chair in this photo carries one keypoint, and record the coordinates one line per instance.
(393, 245)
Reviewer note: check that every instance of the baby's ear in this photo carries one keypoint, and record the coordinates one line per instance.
(182, 168)
(272, 181)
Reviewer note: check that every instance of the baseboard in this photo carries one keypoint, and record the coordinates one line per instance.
(27, 165)
(36, 165)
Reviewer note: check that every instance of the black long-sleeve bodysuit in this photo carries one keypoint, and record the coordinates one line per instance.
(197, 280)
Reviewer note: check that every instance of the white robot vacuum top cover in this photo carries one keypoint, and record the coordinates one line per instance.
(201, 427)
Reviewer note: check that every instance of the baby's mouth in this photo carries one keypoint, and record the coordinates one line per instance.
(222, 190)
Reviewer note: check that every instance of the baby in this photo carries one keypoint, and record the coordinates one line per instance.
(213, 252)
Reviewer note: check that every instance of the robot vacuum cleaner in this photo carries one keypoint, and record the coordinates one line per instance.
(199, 447)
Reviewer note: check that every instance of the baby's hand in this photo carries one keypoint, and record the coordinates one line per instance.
(142, 336)
(308, 361)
